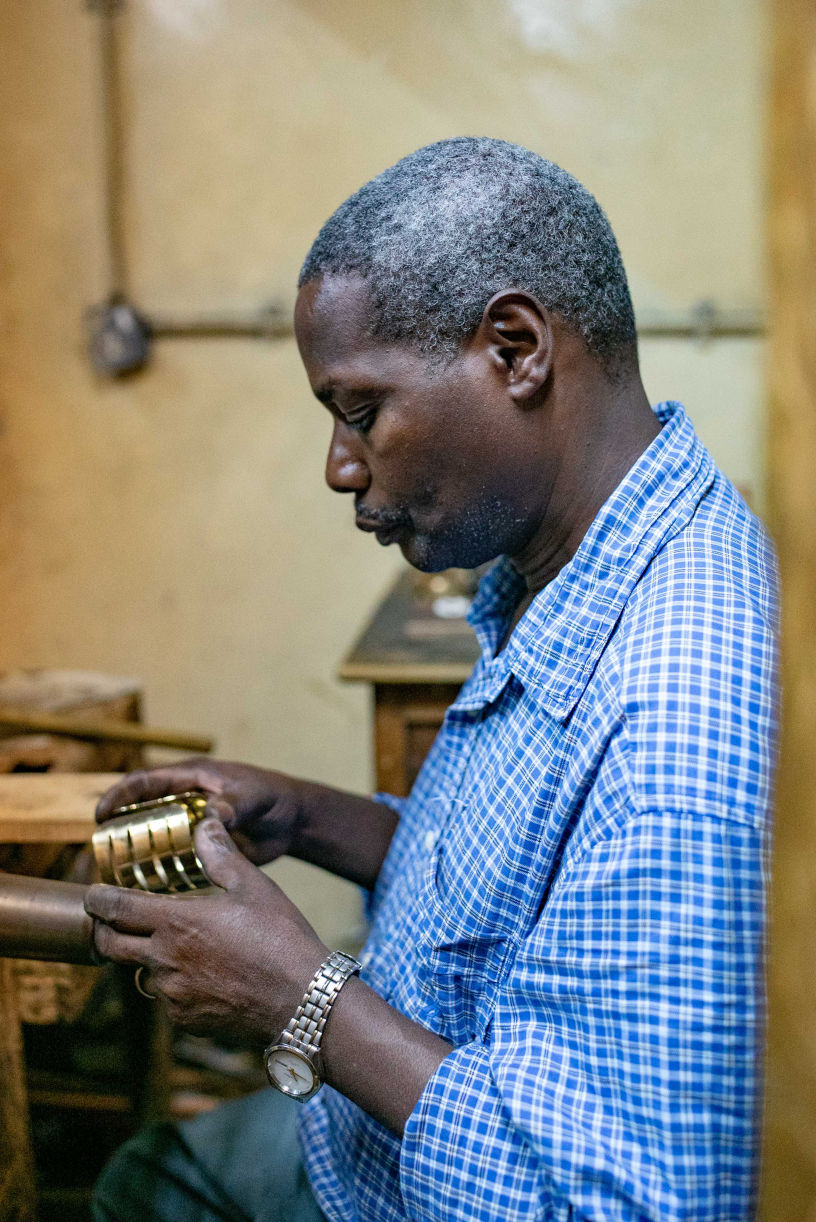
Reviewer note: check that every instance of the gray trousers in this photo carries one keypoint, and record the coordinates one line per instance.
(239, 1163)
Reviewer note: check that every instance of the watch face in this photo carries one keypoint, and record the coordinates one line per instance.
(291, 1071)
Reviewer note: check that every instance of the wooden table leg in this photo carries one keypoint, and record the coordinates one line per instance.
(17, 1188)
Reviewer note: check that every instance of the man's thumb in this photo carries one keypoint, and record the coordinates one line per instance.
(223, 862)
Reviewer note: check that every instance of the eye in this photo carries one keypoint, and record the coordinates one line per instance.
(362, 422)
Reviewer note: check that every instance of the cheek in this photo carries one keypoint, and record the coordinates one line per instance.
(406, 466)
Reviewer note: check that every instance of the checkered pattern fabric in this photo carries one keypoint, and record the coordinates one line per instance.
(574, 895)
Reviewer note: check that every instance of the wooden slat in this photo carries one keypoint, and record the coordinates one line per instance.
(103, 731)
(50, 806)
(790, 1117)
(393, 672)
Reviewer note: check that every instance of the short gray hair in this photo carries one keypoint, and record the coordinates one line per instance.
(437, 234)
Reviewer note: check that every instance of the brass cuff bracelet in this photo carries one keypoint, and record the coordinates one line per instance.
(150, 845)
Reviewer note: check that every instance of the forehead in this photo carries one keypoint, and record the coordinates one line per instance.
(332, 313)
(333, 325)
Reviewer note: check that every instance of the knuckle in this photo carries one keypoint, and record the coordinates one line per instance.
(144, 784)
(102, 938)
(122, 793)
(220, 808)
(176, 924)
(172, 991)
(104, 902)
(106, 941)
(135, 782)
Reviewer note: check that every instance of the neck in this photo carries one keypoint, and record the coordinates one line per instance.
(605, 428)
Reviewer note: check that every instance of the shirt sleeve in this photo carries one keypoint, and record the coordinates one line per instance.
(618, 1077)
(391, 801)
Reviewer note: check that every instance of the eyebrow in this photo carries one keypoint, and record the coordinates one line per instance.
(326, 394)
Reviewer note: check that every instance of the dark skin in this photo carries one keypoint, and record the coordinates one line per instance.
(509, 449)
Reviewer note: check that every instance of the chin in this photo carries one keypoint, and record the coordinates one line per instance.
(434, 555)
(420, 553)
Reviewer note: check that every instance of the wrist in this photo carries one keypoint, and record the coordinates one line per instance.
(378, 1057)
(293, 1061)
(306, 801)
(345, 833)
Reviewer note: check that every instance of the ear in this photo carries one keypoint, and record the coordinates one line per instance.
(517, 334)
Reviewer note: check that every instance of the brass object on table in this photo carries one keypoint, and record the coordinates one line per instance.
(149, 845)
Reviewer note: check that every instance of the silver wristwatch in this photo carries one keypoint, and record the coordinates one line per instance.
(292, 1062)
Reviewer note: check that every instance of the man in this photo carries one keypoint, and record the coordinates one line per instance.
(560, 1007)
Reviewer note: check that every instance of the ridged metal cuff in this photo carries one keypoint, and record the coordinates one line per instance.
(305, 1030)
(150, 845)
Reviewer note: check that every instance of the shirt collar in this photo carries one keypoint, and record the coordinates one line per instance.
(557, 643)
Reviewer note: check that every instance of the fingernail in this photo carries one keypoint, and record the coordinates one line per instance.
(213, 827)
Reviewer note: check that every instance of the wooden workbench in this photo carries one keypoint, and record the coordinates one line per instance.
(50, 807)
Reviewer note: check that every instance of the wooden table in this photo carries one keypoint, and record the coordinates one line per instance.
(416, 661)
(50, 807)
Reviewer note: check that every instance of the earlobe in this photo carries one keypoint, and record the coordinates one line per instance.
(519, 333)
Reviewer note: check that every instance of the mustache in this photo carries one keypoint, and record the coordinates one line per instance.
(386, 518)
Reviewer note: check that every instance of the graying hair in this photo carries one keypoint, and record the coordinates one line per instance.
(437, 234)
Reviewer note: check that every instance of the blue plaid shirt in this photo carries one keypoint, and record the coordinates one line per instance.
(574, 894)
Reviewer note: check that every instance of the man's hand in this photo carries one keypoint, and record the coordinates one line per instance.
(269, 814)
(262, 810)
(239, 961)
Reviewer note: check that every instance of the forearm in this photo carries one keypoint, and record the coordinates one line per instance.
(377, 1057)
(343, 832)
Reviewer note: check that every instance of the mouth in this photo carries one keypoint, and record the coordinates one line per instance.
(386, 532)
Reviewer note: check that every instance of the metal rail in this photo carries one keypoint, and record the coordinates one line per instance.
(703, 323)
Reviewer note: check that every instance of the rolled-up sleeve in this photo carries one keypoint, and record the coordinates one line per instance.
(619, 1076)
(391, 801)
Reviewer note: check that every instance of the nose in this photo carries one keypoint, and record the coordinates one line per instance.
(345, 469)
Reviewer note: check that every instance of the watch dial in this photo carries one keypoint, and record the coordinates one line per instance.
(291, 1072)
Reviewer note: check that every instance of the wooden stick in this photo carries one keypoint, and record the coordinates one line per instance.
(108, 731)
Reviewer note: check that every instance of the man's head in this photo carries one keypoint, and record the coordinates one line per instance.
(457, 315)
(437, 234)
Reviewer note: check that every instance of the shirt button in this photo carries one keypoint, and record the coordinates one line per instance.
(430, 841)
(366, 957)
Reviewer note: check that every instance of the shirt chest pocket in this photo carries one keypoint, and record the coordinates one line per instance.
(486, 873)
(470, 925)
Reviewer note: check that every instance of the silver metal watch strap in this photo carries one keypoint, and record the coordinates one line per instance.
(305, 1030)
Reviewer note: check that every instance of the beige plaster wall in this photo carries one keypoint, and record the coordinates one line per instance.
(175, 526)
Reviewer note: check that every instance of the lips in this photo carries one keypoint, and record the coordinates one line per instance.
(386, 532)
